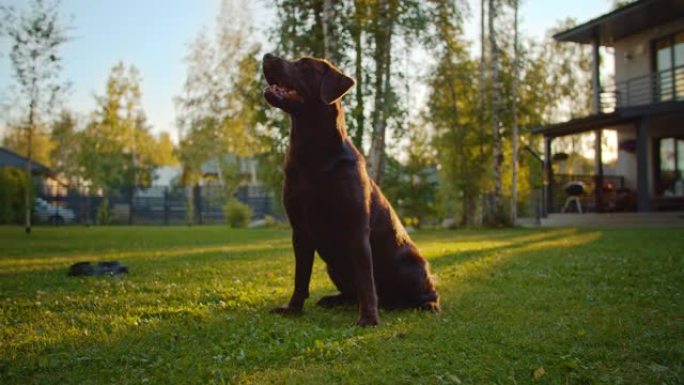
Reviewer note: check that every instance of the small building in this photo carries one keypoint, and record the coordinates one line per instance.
(644, 105)
(46, 179)
(9, 158)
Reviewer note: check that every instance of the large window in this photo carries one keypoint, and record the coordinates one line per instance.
(669, 65)
(670, 172)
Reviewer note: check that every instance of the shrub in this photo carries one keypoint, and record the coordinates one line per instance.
(12, 187)
(270, 221)
(237, 213)
(412, 222)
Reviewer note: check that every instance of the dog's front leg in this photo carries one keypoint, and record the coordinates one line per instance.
(362, 260)
(304, 256)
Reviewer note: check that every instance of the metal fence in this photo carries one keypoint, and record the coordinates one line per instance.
(157, 205)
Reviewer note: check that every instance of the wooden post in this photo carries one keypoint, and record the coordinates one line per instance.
(643, 198)
(166, 205)
(548, 177)
(197, 196)
(596, 75)
(598, 169)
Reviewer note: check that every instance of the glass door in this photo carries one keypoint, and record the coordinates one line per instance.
(678, 61)
(664, 78)
(669, 66)
(670, 170)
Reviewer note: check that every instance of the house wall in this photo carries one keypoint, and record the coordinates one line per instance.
(658, 127)
(639, 50)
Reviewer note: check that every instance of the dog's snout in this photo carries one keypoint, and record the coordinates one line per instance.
(269, 57)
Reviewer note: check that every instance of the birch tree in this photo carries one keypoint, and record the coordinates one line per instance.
(382, 39)
(213, 117)
(514, 160)
(37, 36)
(329, 40)
(495, 208)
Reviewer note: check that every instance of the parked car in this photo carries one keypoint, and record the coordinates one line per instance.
(53, 215)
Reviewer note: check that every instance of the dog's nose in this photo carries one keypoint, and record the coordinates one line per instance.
(268, 57)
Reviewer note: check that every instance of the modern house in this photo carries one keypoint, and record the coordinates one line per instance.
(644, 106)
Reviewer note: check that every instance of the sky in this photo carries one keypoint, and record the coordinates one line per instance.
(154, 35)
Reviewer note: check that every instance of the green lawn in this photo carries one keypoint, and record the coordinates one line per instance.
(559, 306)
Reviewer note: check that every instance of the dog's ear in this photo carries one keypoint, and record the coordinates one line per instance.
(335, 85)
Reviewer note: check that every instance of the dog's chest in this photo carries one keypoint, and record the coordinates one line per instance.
(325, 204)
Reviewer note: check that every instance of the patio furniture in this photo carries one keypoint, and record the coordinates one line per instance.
(574, 190)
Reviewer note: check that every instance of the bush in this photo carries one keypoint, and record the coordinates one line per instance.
(12, 187)
(412, 222)
(237, 213)
(270, 221)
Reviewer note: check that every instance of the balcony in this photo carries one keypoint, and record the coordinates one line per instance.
(654, 88)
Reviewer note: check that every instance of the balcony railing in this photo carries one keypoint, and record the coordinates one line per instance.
(656, 87)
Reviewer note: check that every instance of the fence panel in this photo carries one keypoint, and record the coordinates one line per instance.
(156, 205)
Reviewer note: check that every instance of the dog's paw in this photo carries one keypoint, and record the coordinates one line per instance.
(286, 310)
(432, 307)
(365, 322)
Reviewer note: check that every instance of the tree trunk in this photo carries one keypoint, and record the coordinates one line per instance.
(495, 209)
(376, 153)
(514, 161)
(329, 43)
(483, 61)
(383, 46)
(479, 199)
(357, 32)
(29, 179)
(319, 27)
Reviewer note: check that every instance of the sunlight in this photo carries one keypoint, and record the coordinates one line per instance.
(485, 264)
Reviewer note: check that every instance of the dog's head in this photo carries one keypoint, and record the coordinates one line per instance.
(295, 86)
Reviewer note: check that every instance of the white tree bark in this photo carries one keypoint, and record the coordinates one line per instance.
(329, 43)
(495, 209)
(516, 75)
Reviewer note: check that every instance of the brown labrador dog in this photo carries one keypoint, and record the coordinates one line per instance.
(334, 207)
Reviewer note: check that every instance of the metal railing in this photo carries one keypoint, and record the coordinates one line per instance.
(656, 87)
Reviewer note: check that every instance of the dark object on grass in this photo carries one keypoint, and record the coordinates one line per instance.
(333, 205)
(101, 268)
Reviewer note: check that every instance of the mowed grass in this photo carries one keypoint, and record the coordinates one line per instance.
(560, 306)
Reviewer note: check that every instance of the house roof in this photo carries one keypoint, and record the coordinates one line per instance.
(10, 158)
(579, 125)
(621, 116)
(624, 21)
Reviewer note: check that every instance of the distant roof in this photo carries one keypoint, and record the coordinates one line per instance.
(10, 158)
(624, 21)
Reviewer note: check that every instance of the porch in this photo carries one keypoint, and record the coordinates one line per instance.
(614, 220)
(647, 170)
